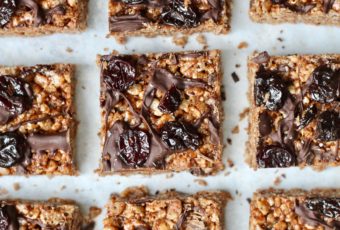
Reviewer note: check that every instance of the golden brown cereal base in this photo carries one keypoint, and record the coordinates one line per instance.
(60, 163)
(135, 205)
(280, 203)
(153, 30)
(253, 139)
(79, 24)
(52, 212)
(259, 13)
(217, 162)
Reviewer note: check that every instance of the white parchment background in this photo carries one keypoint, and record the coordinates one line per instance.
(89, 189)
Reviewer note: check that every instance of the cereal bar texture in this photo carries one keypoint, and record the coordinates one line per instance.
(55, 214)
(38, 17)
(325, 12)
(161, 112)
(295, 110)
(136, 209)
(151, 18)
(37, 125)
(295, 209)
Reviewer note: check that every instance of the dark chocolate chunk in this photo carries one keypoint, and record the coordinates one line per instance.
(328, 207)
(180, 136)
(170, 101)
(119, 74)
(325, 84)
(308, 115)
(273, 156)
(265, 124)
(270, 89)
(13, 148)
(16, 97)
(179, 15)
(328, 126)
(134, 147)
(7, 9)
(127, 23)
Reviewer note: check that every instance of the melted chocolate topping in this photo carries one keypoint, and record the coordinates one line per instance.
(127, 23)
(9, 217)
(314, 218)
(327, 5)
(298, 8)
(261, 58)
(40, 15)
(140, 19)
(51, 142)
(161, 79)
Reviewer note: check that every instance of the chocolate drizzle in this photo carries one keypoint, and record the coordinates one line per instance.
(298, 8)
(127, 23)
(162, 80)
(179, 15)
(49, 142)
(327, 5)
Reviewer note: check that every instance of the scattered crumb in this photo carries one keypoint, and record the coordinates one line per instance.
(238, 65)
(69, 50)
(244, 113)
(16, 186)
(3, 191)
(230, 163)
(227, 173)
(277, 181)
(281, 31)
(235, 130)
(238, 193)
(180, 40)
(169, 175)
(223, 95)
(76, 190)
(94, 212)
(202, 40)
(121, 40)
(242, 45)
(83, 87)
(248, 200)
(201, 182)
(62, 187)
(235, 77)
(106, 49)
(283, 47)
(118, 182)
(229, 141)
(280, 39)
